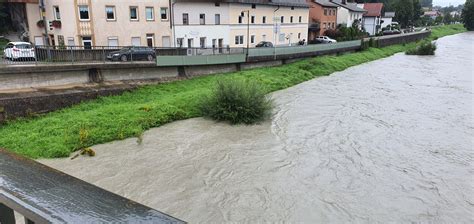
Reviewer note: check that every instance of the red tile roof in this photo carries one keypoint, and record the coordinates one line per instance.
(373, 9)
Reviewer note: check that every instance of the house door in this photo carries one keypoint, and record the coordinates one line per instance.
(221, 45)
(190, 43)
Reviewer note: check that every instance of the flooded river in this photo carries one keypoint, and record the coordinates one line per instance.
(386, 141)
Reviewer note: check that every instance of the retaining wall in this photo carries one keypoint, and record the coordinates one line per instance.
(131, 74)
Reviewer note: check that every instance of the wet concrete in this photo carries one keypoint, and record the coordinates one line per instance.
(386, 141)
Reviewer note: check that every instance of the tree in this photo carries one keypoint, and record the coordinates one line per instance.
(4, 18)
(448, 18)
(427, 3)
(439, 20)
(404, 12)
(468, 15)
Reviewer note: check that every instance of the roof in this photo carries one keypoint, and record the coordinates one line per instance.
(325, 3)
(349, 5)
(373, 9)
(288, 3)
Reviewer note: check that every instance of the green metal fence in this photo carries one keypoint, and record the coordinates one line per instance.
(257, 52)
(200, 60)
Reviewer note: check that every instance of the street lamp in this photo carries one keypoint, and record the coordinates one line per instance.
(248, 30)
(46, 36)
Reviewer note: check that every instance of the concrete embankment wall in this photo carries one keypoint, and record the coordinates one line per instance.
(115, 78)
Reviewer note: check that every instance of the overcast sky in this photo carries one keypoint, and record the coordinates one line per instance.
(447, 2)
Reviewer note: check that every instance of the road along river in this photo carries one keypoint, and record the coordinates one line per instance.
(386, 141)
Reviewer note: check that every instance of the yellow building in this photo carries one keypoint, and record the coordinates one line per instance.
(99, 22)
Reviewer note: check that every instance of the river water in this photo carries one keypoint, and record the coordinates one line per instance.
(386, 141)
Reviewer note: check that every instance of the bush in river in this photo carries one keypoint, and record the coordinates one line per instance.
(237, 102)
(424, 48)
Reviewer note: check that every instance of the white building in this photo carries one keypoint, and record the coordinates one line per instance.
(233, 23)
(201, 24)
(387, 19)
(372, 19)
(348, 12)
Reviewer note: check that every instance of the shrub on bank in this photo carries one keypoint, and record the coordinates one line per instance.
(424, 48)
(237, 102)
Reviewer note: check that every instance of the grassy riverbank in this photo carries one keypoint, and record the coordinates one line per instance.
(57, 134)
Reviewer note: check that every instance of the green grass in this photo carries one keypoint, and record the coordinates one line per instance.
(59, 133)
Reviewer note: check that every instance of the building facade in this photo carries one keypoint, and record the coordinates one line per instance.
(348, 12)
(233, 23)
(100, 22)
(322, 17)
(372, 20)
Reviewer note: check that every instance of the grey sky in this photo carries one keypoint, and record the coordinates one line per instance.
(447, 2)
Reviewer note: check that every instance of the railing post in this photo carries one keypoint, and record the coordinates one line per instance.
(6, 215)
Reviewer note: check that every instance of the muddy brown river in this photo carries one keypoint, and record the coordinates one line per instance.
(386, 141)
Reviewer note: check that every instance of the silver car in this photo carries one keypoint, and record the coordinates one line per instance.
(19, 51)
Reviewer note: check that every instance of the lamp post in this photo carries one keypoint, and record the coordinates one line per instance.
(46, 36)
(248, 31)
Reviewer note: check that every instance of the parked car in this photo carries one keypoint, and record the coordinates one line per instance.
(325, 39)
(19, 51)
(132, 54)
(390, 32)
(264, 44)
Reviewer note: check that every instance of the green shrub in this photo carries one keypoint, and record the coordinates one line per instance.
(237, 102)
(424, 48)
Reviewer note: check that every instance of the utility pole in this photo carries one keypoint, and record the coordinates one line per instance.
(45, 22)
(248, 31)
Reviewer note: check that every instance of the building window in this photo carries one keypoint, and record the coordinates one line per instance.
(179, 42)
(87, 42)
(291, 19)
(202, 19)
(84, 12)
(70, 41)
(110, 12)
(149, 13)
(133, 13)
(202, 42)
(324, 25)
(254, 6)
(217, 4)
(292, 8)
(325, 12)
(252, 19)
(282, 19)
(333, 25)
(185, 19)
(136, 41)
(240, 19)
(164, 13)
(264, 19)
(150, 39)
(282, 37)
(112, 41)
(252, 39)
(217, 19)
(57, 14)
(299, 35)
(300, 19)
(239, 39)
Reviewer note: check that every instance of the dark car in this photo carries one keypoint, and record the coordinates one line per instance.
(264, 44)
(132, 54)
(391, 32)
